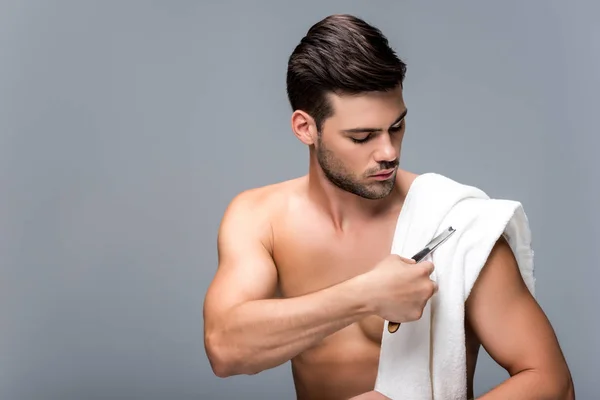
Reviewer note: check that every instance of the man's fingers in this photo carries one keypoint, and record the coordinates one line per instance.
(427, 266)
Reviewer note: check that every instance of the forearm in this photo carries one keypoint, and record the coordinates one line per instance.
(532, 384)
(263, 334)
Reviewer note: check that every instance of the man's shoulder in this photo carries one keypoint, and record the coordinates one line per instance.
(251, 212)
(263, 201)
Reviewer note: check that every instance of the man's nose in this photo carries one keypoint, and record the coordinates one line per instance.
(385, 151)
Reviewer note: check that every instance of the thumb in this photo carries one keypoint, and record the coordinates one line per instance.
(408, 260)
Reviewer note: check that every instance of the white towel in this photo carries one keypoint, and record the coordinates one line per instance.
(426, 359)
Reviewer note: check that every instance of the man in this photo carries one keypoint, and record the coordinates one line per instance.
(305, 272)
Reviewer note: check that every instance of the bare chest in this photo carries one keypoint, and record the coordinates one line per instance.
(310, 258)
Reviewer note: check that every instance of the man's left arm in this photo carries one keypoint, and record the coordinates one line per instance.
(516, 333)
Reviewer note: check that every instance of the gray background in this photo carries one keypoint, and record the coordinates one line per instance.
(127, 126)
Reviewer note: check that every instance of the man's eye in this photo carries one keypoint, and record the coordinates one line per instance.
(363, 140)
(397, 128)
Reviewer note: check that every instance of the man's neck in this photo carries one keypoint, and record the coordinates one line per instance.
(345, 208)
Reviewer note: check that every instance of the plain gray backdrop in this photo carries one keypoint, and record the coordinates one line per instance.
(126, 127)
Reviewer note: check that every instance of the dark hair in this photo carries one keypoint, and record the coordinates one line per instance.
(340, 54)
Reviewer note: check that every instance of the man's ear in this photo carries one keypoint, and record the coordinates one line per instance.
(304, 127)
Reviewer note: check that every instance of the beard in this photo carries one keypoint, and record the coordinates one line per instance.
(337, 174)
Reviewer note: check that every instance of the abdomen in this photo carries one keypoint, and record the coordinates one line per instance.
(342, 366)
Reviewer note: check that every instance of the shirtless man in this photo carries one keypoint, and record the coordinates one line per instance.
(305, 272)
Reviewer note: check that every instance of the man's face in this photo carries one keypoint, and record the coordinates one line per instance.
(358, 148)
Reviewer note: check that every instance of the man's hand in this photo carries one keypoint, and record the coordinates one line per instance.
(398, 289)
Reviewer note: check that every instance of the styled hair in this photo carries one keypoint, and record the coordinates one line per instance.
(340, 54)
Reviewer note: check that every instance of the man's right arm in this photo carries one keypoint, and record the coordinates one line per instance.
(246, 330)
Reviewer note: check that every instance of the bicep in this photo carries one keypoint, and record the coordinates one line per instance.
(246, 270)
(506, 318)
